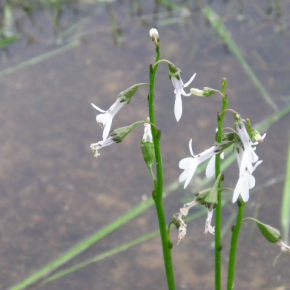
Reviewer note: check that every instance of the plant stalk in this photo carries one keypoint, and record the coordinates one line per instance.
(158, 191)
(234, 243)
(218, 246)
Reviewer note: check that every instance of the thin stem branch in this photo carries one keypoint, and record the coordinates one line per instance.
(218, 246)
(234, 243)
(158, 190)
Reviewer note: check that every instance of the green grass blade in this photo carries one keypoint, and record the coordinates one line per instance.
(285, 207)
(82, 246)
(217, 24)
(39, 58)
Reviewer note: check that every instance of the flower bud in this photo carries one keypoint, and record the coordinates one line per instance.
(205, 92)
(118, 135)
(154, 35)
(125, 96)
(147, 146)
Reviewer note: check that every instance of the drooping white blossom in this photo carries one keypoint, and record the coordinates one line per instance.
(178, 90)
(246, 180)
(249, 155)
(106, 117)
(190, 164)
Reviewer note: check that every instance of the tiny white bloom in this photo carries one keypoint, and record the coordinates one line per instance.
(190, 164)
(246, 180)
(249, 155)
(97, 146)
(147, 137)
(208, 227)
(105, 119)
(178, 90)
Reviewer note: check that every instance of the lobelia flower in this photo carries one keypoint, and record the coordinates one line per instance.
(178, 90)
(246, 180)
(105, 119)
(190, 164)
(249, 156)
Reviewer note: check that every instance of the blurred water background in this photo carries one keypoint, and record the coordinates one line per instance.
(57, 57)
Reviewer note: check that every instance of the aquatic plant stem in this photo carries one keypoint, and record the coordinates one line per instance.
(218, 246)
(234, 243)
(158, 190)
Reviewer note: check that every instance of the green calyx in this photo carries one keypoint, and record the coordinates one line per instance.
(209, 197)
(128, 93)
(271, 234)
(148, 152)
(174, 71)
(120, 133)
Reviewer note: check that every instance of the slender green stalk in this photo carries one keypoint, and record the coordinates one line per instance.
(218, 246)
(285, 210)
(158, 191)
(234, 243)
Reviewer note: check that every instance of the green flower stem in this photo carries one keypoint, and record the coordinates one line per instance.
(158, 191)
(218, 246)
(234, 243)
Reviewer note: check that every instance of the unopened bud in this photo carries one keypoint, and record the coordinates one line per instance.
(205, 92)
(118, 135)
(154, 35)
(126, 95)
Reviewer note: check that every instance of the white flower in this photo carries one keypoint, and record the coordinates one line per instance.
(208, 227)
(190, 164)
(249, 155)
(178, 90)
(246, 180)
(147, 137)
(105, 119)
(97, 146)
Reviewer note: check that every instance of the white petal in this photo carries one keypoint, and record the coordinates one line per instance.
(191, 79)
(210, 169)
(177, 84)
(188, 179)
(245, 191)
(254, 156)
(251, 181)
(185, 162)
(107, 128)
(185, 174)
(178, 107)
(257, 164)
(222, 155)
(97, 108)
(236, 191)
(190, 147)
(101, 118)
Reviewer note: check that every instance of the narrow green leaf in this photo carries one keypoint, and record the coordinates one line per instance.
(285, 207)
